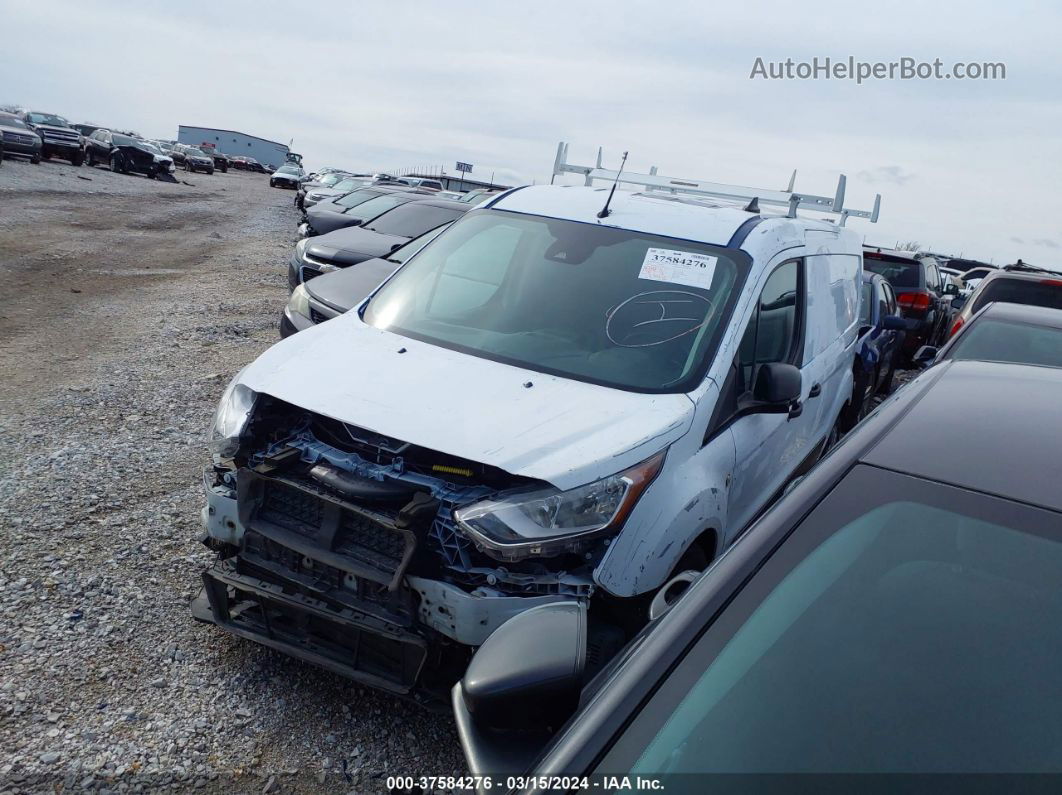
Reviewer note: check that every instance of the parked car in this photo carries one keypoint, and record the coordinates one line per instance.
(420, 182)
(312, 194)
(972, 277)
(287, 176)
(337, 290)
(537, 408)
(19, 140)
(221, 160)
(86, 129)
(1003, 332)
(254, 165)
(177, 153)
(195, 159)
(480, 195)
(58, 138)
(317, 182)
(375, 238)
(881, 336)
(1023, 285)
(356, 208)
(914, 576)
(124, 154)
(924, 300)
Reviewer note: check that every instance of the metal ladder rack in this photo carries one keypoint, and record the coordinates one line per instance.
(659, 184)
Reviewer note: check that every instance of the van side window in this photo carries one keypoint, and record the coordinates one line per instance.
(773, 333)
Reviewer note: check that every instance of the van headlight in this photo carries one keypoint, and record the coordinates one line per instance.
(231, 418)
(547, 522)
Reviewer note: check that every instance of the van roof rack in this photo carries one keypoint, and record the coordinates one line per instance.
(656, 183)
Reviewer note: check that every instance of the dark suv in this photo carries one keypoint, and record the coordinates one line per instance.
(921, 294)
(57, 136)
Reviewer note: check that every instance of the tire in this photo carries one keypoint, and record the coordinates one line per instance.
(36, 160)
(78, 160)
(116, 163)
(88, 158)
(211, 172)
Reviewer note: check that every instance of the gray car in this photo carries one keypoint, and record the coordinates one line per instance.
(18, 140)
(378, 237)
(312, 193)
(337, 291)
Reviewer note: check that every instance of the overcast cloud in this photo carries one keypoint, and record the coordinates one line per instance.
(962, 166)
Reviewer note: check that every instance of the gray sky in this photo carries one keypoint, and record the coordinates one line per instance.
(961, 165)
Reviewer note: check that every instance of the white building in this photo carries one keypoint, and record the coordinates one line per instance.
(229, 142)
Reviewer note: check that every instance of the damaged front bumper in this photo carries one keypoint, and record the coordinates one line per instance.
(307, 572)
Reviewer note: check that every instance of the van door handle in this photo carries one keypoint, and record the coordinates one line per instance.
(816, 390)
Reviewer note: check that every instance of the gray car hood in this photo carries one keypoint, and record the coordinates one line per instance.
(352, 244)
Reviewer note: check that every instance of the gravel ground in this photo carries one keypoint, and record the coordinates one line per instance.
(130, 305)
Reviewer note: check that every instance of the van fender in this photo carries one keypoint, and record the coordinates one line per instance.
(688, 498)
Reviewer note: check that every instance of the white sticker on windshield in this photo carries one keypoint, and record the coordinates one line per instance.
(678, 267)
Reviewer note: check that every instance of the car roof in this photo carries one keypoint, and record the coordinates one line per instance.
(891, 253)
(683, 217)
(1022, 275)
(984, 426)
(452, 204)
(1023, 313)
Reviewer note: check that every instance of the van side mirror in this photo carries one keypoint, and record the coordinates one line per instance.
(522, 684)
(924, 356)
(777, 384)
(670, 593)
(893, 323)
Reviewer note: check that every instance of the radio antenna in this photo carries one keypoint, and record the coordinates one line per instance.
(605, 212)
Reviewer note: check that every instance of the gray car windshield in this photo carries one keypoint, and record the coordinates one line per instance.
(412, 219)
(904, 627)
(378, 205)
(356, 197)
(11, 121)
(609, 306)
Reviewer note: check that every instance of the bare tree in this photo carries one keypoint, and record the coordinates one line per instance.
(910, 245)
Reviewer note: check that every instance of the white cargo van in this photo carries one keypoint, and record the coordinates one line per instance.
(553, 400)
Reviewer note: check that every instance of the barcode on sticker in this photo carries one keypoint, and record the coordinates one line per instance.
(678, 267)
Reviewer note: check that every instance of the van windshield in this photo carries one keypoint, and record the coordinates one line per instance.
(608, 306)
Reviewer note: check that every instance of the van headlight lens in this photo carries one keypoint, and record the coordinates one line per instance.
(230, 420)
(546, 522)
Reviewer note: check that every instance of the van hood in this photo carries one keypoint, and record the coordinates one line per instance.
(562, 431)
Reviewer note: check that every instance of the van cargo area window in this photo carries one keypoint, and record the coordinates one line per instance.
(598, 304)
